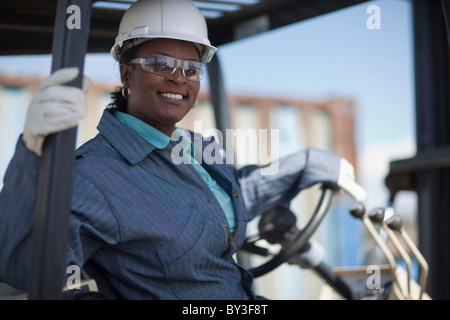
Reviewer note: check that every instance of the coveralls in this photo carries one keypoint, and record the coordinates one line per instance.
(154, 226)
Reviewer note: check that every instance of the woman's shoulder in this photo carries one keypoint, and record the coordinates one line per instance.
(95, 152)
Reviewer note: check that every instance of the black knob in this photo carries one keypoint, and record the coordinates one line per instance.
(377, 215)
(395, 223)
(357, 210)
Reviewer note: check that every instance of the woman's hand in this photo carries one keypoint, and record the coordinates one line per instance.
(55, 107)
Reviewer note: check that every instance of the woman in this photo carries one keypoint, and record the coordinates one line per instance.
(159, 228)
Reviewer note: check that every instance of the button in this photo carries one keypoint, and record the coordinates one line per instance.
(235, 194)
(209, 200)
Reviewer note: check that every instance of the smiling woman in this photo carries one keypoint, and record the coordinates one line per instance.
(155, 228)
(161, 99)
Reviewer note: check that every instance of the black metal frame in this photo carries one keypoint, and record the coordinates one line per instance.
(26, 26)
(219, 98)
(432, 127)
(50, 232)
(428, 173)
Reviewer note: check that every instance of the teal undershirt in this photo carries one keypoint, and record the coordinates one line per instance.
(160, 141)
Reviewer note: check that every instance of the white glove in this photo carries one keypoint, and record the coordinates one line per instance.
(347, 182)
(54, 108)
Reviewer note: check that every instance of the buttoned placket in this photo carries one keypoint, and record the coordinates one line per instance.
(211, 199)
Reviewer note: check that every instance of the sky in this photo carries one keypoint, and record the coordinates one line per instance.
(334, 55)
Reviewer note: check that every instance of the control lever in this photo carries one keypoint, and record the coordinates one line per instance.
(358, 211)
(396, 224)
(377, 216)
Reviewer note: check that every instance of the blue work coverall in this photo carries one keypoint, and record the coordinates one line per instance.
(154, 226)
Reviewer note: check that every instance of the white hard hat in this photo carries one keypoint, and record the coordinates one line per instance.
(172, 19)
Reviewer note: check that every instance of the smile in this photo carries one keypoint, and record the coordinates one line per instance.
(175, 96)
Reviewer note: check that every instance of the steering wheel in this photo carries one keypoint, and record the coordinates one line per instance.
(283, 220)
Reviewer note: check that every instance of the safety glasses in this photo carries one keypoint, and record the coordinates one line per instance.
(166, 66)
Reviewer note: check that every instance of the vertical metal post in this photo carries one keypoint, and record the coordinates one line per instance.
(432, 131)
(219, 98)
(222, 116)
(50, 232)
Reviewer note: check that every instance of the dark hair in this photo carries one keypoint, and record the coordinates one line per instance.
(119, 102)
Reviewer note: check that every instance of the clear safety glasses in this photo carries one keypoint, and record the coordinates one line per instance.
(166, 66)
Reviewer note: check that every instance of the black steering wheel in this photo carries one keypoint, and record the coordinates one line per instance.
(283, 220)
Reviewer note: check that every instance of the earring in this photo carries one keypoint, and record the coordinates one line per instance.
(125, 92)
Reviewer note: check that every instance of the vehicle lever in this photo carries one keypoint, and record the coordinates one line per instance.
(358, 211)
(396, 223)
(377, 216)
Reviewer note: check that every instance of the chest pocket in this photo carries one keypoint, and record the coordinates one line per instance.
(188, 265)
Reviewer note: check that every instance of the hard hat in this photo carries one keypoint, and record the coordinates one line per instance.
(172, 19)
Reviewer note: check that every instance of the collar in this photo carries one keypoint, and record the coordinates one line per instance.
(125, 140)
(146, 131)
(135, 145)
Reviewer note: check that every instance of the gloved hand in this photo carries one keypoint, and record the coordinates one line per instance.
(347, 181)
(54, 108)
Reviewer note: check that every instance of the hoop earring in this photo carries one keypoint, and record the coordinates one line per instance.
(125, 92)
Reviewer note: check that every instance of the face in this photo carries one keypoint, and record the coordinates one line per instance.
(161, 101)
